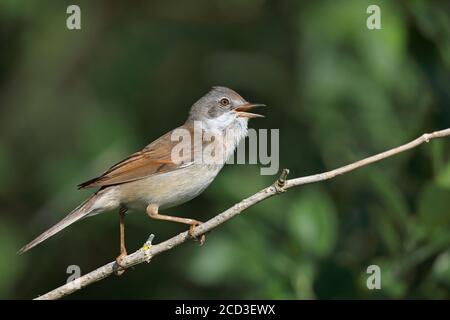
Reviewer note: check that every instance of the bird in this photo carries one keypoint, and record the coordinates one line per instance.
(156, 177)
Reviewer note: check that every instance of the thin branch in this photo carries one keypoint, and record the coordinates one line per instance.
(281, 185)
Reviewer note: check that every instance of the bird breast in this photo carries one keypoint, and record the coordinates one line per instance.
(168, 189)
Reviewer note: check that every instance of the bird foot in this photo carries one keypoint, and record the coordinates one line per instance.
(119, 267)
(191, 233)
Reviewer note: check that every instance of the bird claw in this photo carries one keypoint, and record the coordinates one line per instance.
(119, 267)
(191, 231)
(202, 240)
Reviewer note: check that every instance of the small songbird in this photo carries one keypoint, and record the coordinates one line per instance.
(152, 179)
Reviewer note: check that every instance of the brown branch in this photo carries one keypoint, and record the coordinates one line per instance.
(281, 185)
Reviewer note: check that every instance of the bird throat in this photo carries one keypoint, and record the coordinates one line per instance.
(220, 135)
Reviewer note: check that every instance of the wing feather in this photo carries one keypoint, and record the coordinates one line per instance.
(153, 159)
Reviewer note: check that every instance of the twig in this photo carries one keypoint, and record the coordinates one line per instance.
(282, 184)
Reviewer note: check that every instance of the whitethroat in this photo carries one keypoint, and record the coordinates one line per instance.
(152, 179)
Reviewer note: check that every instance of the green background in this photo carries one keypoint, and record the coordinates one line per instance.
(72, 103)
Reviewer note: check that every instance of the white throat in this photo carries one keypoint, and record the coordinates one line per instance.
(233, 129)
(221, 122)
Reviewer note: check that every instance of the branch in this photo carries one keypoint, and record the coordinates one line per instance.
(281, 185)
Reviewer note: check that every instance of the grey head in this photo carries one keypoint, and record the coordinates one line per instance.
(221, 102)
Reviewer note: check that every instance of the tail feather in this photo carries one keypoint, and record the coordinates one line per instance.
(78, 213)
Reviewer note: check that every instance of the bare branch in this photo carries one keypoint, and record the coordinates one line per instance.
(282, 184)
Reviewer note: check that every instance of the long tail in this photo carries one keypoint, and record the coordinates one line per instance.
(79, 212)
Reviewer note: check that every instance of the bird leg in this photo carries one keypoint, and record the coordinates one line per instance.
(123, 250)
(152, 211)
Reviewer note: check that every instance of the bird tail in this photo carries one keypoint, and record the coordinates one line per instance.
(78, 213)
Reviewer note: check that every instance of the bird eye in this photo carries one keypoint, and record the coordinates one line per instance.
(224, 102)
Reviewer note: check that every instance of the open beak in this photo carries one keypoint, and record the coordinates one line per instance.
(242, 110)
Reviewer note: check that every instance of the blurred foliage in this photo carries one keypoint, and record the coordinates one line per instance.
(74, 102)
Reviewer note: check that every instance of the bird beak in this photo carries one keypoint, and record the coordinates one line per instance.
(242, 110)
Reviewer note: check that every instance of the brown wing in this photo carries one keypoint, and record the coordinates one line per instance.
(153, 159)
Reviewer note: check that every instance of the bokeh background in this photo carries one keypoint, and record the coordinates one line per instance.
(72, 103)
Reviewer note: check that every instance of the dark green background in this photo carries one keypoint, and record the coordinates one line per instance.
(72, 103)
